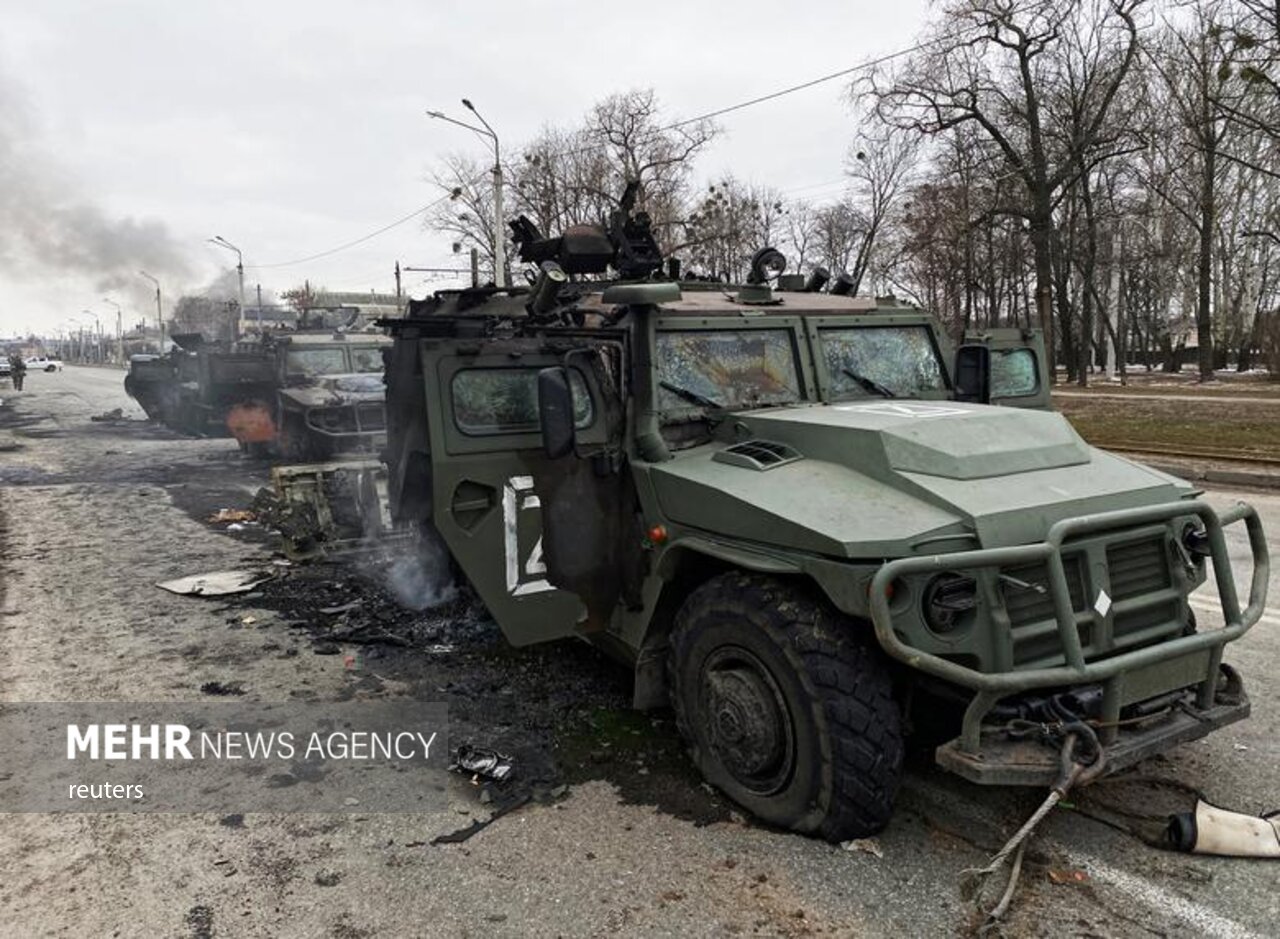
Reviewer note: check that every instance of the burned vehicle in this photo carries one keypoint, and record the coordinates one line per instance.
(802, 517)
(326, 398)
(156, 381)
(194, 386)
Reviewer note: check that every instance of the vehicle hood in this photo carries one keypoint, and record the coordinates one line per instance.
(334, 390)
(890, 479)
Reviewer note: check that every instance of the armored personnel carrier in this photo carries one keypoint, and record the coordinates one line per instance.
(799, 516)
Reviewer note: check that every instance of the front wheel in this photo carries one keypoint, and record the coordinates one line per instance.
(785, 707)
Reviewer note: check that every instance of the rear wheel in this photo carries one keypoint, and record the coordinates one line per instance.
(786, 709)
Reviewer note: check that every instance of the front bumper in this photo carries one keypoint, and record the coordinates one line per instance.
(349, 428)
(1189, 661)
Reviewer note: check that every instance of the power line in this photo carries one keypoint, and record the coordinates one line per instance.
(351, 244)
(792, 89)
(709, 115)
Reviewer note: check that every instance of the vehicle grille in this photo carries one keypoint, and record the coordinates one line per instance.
(1029, 608)
(373, 417)
(1135, 568)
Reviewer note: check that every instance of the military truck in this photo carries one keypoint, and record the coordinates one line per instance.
(806, 520)
(325, 400)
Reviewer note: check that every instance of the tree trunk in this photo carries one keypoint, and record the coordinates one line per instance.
(1041, 234)
(1204, 287)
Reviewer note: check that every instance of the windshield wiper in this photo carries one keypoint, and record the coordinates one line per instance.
(868, 384)
(691, 396)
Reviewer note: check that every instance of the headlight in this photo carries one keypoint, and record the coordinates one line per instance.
(1196, 540)
(948, 599)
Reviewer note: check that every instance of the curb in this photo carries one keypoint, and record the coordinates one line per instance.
(1204, 473)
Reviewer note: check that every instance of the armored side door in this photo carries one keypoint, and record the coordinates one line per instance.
(1003, 366)
(486, 451)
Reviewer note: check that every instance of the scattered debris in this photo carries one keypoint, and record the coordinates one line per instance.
(481, 761)
(344, 608)
(115, 414)
(215, 584)
(1068, 876)
(222, 689)
(1213, 830)
(864, 845)
(232, 515)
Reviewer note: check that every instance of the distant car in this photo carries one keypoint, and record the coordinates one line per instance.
(41, 363)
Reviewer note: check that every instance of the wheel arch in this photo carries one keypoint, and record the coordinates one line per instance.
(683, 567)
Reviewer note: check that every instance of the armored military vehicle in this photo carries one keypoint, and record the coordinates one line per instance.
(801, 515)
(155, 381)
(303, 396)
(325, 400)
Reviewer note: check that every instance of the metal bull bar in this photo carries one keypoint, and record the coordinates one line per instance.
(990, 687)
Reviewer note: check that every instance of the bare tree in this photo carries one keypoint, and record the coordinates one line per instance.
(577, 175)
(991, 65)
(467, 213)
(879, 165)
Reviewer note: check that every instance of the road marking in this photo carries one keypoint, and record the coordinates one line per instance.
(1205, 920)
(952, 804)
(1205, 605)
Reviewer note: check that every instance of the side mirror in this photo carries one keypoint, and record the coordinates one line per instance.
(973, 374)
(555, 411)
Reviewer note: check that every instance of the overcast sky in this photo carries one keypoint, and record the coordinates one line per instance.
(140, 129)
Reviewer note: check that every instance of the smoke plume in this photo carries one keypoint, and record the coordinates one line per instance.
(49, 227)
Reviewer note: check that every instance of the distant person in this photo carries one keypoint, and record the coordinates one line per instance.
(17, 370)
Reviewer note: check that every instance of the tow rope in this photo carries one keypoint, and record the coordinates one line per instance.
(1076, 770)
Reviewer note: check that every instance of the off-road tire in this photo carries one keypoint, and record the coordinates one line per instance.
(837, 705)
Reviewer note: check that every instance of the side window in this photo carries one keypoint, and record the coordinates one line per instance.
(1014, 374)
(490, 401)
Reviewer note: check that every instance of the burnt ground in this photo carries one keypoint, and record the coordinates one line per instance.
(560, 710)
(93, 514)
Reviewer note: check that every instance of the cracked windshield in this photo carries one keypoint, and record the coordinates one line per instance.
(884, 361)
(317, 361)
(729, 368)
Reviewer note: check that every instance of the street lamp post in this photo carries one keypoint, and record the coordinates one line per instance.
(159, 313)
(96, 334)
(499, 241)
(223, 243)
(119, 329)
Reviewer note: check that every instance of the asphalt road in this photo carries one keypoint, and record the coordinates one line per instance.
(92, 514)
